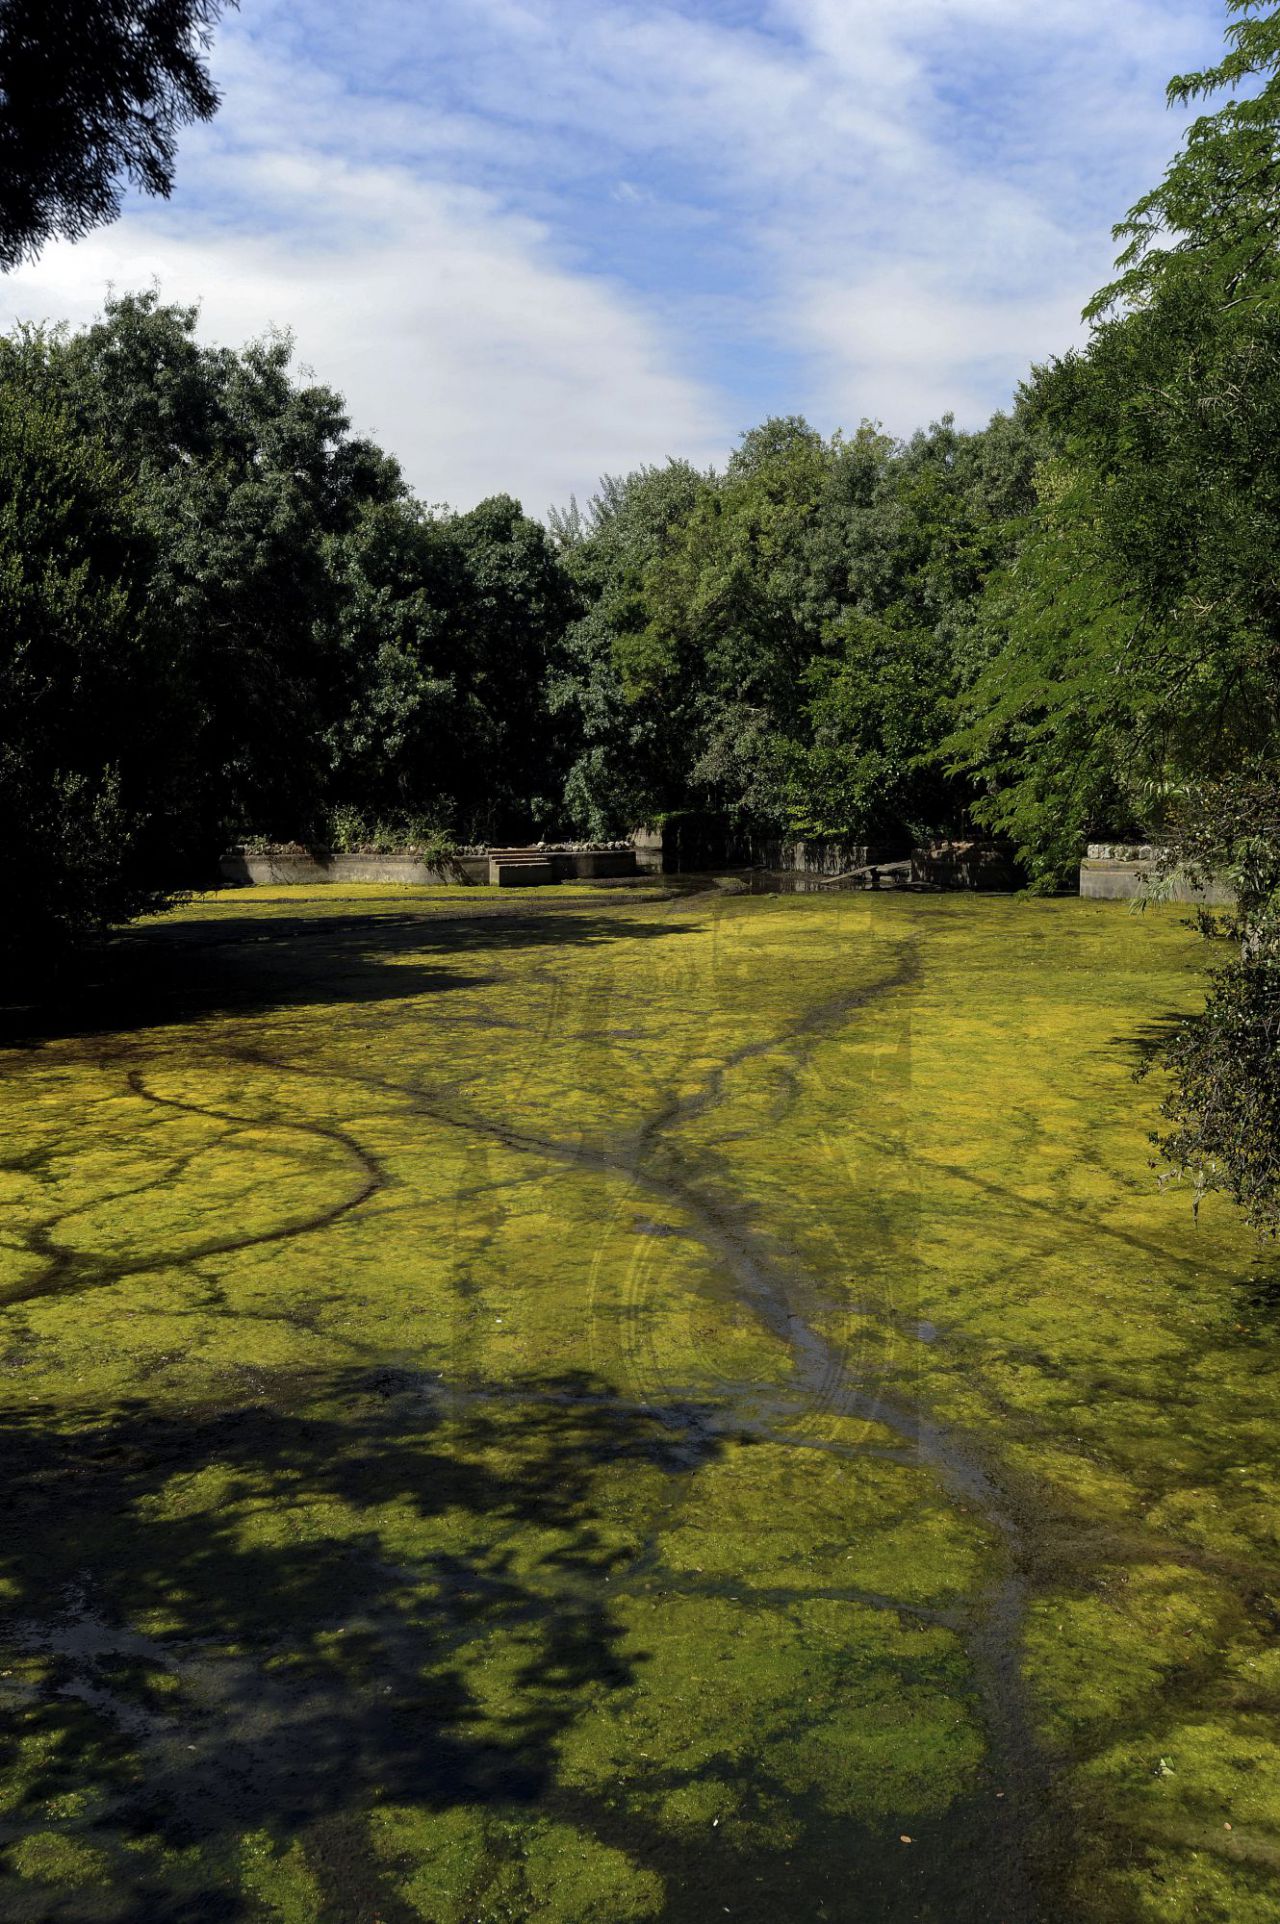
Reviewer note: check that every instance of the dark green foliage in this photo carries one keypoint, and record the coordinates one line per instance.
(628, 746)
(1223, 1098)
(1173, 423)
(922, 534)
(248, 593)
(1215, 217)
(1228, 830)
(772, 648)
(777, 645)
(245, 479)
(1224, 1103)
(447, 626)
(397, 581)
(92, 748)
(876, 712)
(1133, 643)
(517, 602)
(93, 93)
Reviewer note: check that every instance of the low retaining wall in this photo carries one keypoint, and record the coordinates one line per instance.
(262, 869)
(553, 865)
(1118, 873)
(523, 874)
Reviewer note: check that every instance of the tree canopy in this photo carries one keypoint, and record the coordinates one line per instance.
(93, 94)
(1215, 216)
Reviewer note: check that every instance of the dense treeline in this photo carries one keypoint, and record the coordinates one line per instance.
(229, 617)
(780, 644)
(225, 615)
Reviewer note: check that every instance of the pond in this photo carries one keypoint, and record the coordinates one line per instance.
(598, 1409)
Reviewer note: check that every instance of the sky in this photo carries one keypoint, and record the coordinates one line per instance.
(537, 241)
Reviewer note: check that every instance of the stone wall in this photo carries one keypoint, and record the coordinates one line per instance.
(239, 867)
(1118, 872)
(558, 865)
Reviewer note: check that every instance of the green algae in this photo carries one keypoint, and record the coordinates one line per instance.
(280, 1880)
(47, 1857)
(473, 1866)
(629, 1409)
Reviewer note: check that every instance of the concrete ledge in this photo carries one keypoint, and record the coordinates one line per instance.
(1111, 878)
(544, 866)
(565, 864)
(404, 869)
(521, 872)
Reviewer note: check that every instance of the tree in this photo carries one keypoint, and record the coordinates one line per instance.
(92, 93)
(1223, 1101)
(398, 741)
(776, 646)
(92, 756)
(1133, 675)
(1216, 214)
(628, 752)
(727, 628)
(906, 541)
(245, 478)
(1222, 1094)
(338, 647)
(1133, 646)
(517, 603)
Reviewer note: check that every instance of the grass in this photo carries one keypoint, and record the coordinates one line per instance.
(600, 1409)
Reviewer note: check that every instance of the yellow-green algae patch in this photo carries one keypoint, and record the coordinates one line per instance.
(598, 1408)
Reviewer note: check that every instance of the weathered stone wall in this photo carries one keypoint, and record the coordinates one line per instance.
(237, 867)
(819, 858)
(1118, 872)
(557, 865)
(523, 874)
(647, 843)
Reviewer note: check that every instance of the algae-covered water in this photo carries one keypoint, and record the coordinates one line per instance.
(592, 1409)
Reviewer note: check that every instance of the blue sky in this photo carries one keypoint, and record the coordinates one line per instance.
(533, 241)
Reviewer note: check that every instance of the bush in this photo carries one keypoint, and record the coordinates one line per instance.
(1225, 1098)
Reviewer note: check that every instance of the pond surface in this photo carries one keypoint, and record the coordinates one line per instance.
(615, 1409)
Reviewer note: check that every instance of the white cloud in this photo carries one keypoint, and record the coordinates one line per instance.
(901, 349)
(839, 207)
(457, 340)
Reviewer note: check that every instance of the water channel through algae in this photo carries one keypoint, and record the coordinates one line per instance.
(590, 1409)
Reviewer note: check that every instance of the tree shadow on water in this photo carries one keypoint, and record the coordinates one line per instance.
(270, 1619)
(1146, 1041)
